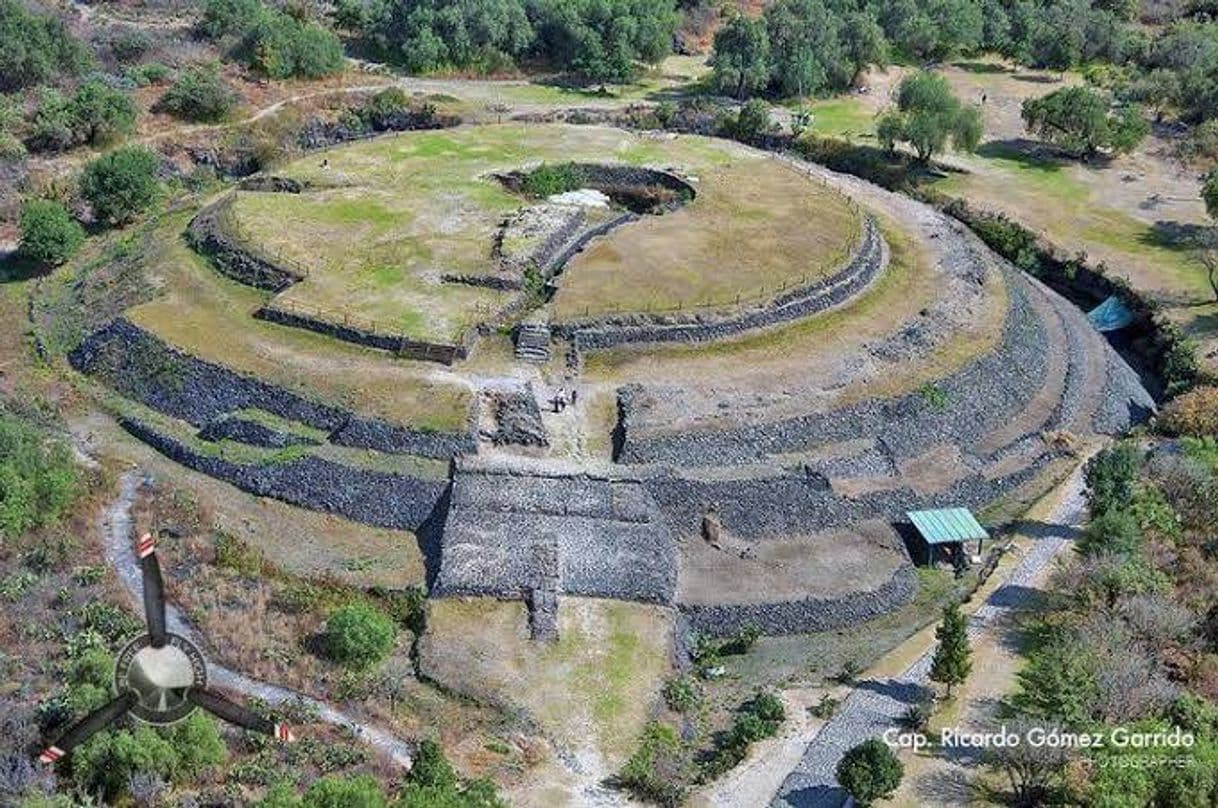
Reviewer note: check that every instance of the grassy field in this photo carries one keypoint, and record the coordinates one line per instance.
(209, 316)
(387, 218)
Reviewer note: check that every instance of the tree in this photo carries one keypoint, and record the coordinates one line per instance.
(122, 184)
(432, 783)
(742, 57)
(49, 234)
(951, 664)
(806, 55)
(869, 772)
(1031, 770)
(359, 635)
(199, 94)
(863, 43)
(1080, 120)
(928, 116)
(601, 40)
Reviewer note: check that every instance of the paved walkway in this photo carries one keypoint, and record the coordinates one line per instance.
(873, 707)
(118, 540)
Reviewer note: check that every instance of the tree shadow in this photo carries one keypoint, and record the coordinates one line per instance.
(15, 268)
(1020, 150)
(981, 68)
(904, 692)
(817, 797)
(1037, 78)
(1179, 236)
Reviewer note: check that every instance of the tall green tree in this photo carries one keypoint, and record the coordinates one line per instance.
(742, 57)
(1082, 122)
(928, 117)
(951, 664)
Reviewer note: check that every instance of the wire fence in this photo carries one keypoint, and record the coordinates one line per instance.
(249, 242)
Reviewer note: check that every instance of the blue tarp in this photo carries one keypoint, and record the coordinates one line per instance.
(1111, 315)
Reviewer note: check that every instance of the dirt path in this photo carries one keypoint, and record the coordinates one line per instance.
(118, 537)
(874, 706)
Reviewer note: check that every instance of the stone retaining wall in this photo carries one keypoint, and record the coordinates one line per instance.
(608, 535)
(805, 301)
(988, 388)
(143, 368)
(378, 498)
(208, 236)
(252, 433)
(805, 616)
(400, 345)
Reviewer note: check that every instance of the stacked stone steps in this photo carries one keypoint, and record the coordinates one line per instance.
(533, 342)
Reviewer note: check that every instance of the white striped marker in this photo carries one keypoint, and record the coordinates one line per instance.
(50, 755)
(146, 546)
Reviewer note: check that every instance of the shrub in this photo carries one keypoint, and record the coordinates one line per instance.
(547, 180)
(104, 764)
(681, 694)
(1112, 532)
(199, 94)
(1110, 477)
(752, 122)
(358, 791)
(870, 771)
(122, 184)
(432, 783)
(148, 74)
(37, 477)
(49, 234)
(742, 641)
(916, 717)
(660, 768)
(1194, 414)
(359, 635)
(272, 41)
(825, 708)
(35, 48)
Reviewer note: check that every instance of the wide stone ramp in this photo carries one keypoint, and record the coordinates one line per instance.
(607, 533)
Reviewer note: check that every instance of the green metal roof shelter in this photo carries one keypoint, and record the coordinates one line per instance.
(946, 528)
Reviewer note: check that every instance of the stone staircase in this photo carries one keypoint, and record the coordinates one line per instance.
(533, 342)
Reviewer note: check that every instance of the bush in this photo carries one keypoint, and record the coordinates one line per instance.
(660, 769)
(870, 771)
(35, 48)
(359, 635)
(358, 791)
(1193, 414)
(148, 74)
(273, 41)
(681, 694)
(1110, 477)
(752, 123)
(1112, 532)
(199, 94)
(37, 477)
(122, 184)
(49, 234)
(432, 783)
(742, 641)
(547, 180)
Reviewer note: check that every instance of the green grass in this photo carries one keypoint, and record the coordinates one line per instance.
(209, 316)
(387, 218)
(842, 117)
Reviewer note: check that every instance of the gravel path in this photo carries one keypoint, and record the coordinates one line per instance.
(118, 538)
(873, 707)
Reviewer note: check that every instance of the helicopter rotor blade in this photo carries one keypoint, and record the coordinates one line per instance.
(154, 589)
(83, 729)
(234, 713)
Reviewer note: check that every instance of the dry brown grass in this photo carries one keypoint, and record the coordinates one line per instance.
(591, 692)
